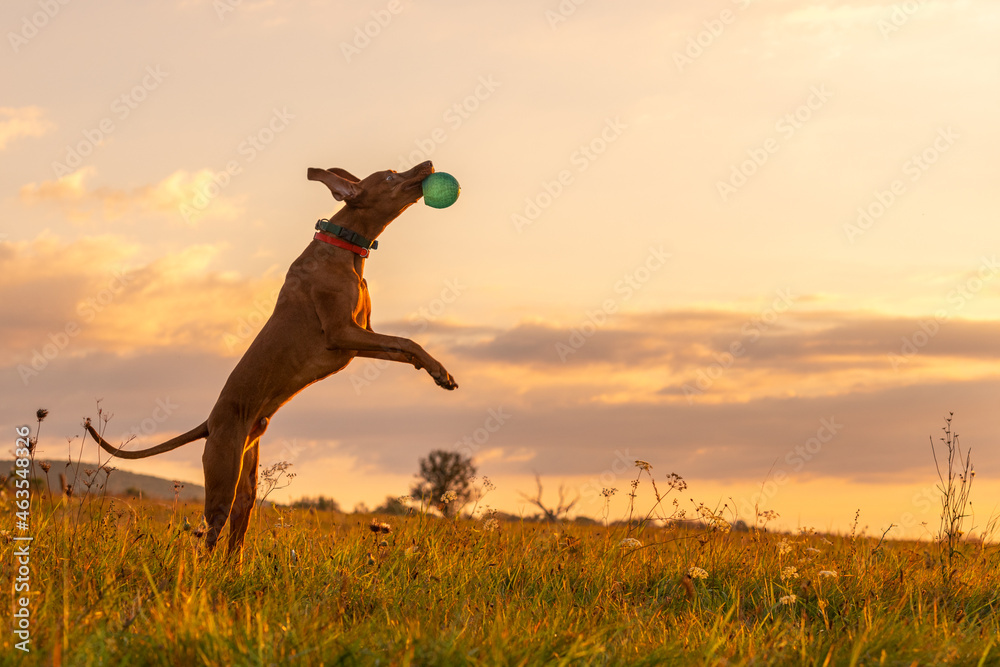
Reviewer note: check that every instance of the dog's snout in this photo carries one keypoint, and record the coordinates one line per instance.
(423, 169)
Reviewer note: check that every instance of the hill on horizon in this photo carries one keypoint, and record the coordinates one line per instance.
(120, 482)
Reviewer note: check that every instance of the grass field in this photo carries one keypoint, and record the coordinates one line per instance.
(123, 582)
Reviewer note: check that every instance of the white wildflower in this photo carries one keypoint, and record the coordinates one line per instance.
(630, 542)
(790, 572)
(827, 573)
(697, 573)
(784, 547)
(490, 525)
(788, 599)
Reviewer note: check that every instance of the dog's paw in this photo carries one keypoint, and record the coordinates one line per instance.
(445, 380)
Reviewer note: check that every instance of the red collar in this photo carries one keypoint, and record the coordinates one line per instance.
(341, 243)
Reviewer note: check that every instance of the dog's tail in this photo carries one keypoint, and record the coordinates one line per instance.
(197, 433)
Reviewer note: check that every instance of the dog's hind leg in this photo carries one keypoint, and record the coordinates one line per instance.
(246, 495)
(222, 461)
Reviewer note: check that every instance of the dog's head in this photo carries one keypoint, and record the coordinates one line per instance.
(373, 202)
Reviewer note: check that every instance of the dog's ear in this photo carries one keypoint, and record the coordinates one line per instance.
(345, 174)
(340, 186)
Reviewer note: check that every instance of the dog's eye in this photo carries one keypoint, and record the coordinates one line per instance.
(389, 177)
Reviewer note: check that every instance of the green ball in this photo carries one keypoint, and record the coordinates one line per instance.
(440, 190)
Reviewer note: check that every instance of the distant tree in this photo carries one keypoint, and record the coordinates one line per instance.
(392, 506)
(557, 513)
(321, 503)
(445, 481)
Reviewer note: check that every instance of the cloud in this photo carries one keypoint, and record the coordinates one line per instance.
(732, 356)
(93, 296)
(846, 416)
(22, 122)
(182, 197)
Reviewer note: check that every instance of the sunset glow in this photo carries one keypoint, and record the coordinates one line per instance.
(695, 234)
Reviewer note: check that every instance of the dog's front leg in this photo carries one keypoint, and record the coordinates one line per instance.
(373, 345)
(401, 357)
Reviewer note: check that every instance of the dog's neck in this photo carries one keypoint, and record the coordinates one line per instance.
(329, 228)
(345, 238)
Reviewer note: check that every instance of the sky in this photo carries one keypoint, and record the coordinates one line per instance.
(752, 243)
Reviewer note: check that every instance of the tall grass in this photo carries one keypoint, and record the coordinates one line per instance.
(130, 585)
(123, 582)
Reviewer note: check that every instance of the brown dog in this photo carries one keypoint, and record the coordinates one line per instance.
(320, 322)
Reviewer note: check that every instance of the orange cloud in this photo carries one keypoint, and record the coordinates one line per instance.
(692, 357)
(97, 299)
(183, 196)
(22, 122)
